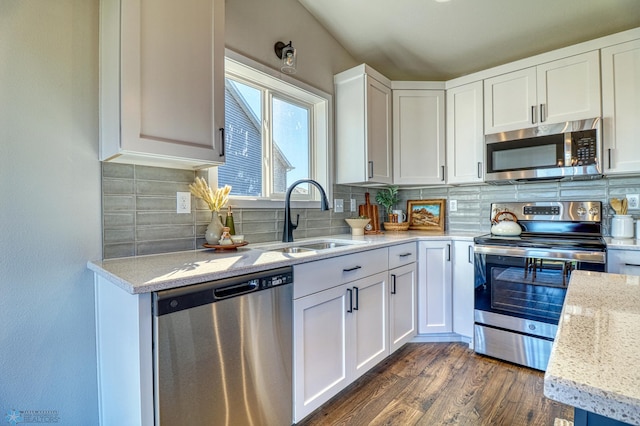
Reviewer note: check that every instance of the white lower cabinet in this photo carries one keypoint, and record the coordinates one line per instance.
(402, 295)
(434, 287)
(402, 305)
(463, 289)
(339, 332)
(623, 262)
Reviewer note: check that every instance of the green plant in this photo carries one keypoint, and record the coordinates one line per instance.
(387, 197)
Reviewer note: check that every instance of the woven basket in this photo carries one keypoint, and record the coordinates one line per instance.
(390, 226)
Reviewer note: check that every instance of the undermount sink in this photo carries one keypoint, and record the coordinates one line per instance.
(303, 247)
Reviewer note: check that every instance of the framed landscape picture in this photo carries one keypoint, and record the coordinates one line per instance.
(426, 215)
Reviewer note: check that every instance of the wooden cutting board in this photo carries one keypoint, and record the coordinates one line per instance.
(371, 211)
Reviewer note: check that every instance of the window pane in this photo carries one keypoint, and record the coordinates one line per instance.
(243, 145)
(290, 145)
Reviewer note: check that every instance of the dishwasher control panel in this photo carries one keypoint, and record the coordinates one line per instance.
(181, 298)
(275, 280)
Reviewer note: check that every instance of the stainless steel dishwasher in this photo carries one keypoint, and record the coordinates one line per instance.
(223, 351)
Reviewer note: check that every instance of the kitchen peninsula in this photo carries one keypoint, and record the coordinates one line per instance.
(594, 360)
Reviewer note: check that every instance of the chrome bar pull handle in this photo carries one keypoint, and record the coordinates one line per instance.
(542, 113)
(370, 169)
(479, 170)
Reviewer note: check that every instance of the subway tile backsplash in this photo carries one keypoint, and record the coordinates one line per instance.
(139, 208)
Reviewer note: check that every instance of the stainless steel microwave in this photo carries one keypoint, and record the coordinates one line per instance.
(570, 150)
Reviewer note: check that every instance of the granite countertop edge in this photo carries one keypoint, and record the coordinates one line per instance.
(135, 276)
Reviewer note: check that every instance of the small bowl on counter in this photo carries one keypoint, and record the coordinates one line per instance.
(237, 239)
(357, 225)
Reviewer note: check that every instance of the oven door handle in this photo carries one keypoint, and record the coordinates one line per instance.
(541, 253)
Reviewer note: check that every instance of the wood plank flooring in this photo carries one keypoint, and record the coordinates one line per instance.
(442, 384)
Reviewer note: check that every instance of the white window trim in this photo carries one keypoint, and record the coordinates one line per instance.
(321, 124)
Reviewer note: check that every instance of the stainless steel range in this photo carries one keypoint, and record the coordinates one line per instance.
(521, 281)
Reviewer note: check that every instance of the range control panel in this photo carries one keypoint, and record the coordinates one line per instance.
(565, 211)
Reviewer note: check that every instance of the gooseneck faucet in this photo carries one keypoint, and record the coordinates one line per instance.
(289, 226)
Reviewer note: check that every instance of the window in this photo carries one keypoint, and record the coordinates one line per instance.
(276, 132)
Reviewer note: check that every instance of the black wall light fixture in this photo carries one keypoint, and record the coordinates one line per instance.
(287, 54)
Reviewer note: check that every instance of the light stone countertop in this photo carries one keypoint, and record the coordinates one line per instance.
(144, 274)
(595, 356)
(619, 244)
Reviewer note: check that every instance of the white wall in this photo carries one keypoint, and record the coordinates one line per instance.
(49, 207)
(254, 26)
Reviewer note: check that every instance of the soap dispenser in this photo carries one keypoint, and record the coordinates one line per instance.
(229, 223)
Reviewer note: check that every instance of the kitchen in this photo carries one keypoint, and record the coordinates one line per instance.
(51, 173)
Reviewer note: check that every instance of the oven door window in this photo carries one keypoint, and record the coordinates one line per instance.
(529, 288)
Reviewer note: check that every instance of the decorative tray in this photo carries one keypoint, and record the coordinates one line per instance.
(226, 246)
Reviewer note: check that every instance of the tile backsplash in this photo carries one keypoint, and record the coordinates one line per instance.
(139, 208)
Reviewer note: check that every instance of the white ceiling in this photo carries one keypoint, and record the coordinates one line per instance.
(431, 40)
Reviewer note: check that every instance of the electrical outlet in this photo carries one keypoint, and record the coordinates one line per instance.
(633, 201)
(353, 205)
(453, 205)
(338, 205)
(183, 202)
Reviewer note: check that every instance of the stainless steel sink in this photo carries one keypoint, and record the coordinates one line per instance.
(305, 247)
(323, 245)
(292, 249)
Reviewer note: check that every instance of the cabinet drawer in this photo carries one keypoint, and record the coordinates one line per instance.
(623, 262)
(402, 254)
(316, 276)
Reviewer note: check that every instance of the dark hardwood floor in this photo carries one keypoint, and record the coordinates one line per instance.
(443, 384)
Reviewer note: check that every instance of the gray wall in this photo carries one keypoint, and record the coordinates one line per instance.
(50, 208)
(50, 216)
(474, 202)
(139, 213)
(139, 208)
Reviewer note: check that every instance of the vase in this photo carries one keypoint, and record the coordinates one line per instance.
(214, 229)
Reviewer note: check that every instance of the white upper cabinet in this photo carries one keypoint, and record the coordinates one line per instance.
(363, 127)
(563, 90)
(621, 107)
(162, 82)
(418, 137)
(465, 136)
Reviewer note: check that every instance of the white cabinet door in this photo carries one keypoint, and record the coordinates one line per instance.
(509, 101)
(569, 89)
(621, 107)
(463, 288)
(162, 92)
(320, 336)
(370, 339)
(434, 287)
(563, 90)
(402, 305)
(465, 134)
(363, 127)
(379, 160)
(418, 137)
